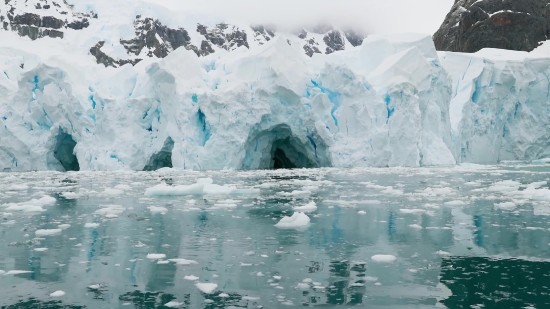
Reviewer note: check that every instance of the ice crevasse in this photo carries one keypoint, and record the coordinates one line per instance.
(389, 102)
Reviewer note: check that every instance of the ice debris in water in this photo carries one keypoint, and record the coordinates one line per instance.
(415, 226)
(183, 261)
(58, 294)
(203, 186)
(48, 232)
(191, 277)
(173, 304)
(156, 256)
(298, 220)
(110, 211)
(309, 207)
(157, 209)
(206, 287)
(17, 272)
(34, 205)
(91, 225)
(362, 212)
(383, 258)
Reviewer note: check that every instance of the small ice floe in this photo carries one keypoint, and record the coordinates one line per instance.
(70, 195)
(64, 226)
(297, 220)
(123, 187)
(17, 272)
(191, 278)
(157, 209)
(415, 226)
(173, 304)
(362, 212)
(156, 256)
(383, 258)
(112, 192)
(40, 249)
(91, 225)
(391, 191)
(455, 203)
(302, 286)
(250, 298)
(110, 211)
(204, 186)
(58, 294)
(21, 187)
(505, 206)
(95, 286)
(370, 279)
(183, 261)
(296, 193)
(309, 207)
(48, 232)
(163, 262)
(412, 211)
(442, 253)
(206, 287)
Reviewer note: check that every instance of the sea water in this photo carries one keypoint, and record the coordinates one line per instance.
(464, 236)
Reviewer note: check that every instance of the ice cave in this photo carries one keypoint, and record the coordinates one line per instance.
(64, 151)
(163, 158)
(279, 148)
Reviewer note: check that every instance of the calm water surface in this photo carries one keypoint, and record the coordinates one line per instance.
(460, 236)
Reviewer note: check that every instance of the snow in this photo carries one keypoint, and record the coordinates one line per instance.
(207, 288)
(383, 258)
(297, 220)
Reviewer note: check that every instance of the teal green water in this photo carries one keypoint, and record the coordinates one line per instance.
(467, 242)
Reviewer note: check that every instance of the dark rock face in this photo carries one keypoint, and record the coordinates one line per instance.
(36, 26)
(262, 34)
(334, 41)
(508, 24)
(311, 47)
(102, 58)
(224, 36)
(148, 32)
(354, 38)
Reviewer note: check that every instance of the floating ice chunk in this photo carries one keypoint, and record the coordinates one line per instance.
(505, 206)
(441, 252)
(183, 261)
(298, 220)
(91, 225)
(2, 272)
(48, 232)
(207, 287)
(110, 210)
(40, 249)
(94, 287)
(70, 195)
(191, 277)
(25, 208)
(58, 294)
(415, 226)
(362, 212)
(391, 191)
(251, 298)
(157, 209)
(43, 201)
(296, 193)
(309, 207)
(163, 262)
(277, 277)
(113, 192)
(224, 295)
(455, 203)
(371, 202)
(260, 274)
(383, 258)
(302, 286)
(156, 256)
(18, 188)
(412, 211)
(537, 184)
(173, 304)
(370, 279)
(123, 187)
(17, 272)
(166, 190)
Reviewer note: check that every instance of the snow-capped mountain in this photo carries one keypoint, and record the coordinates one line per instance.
(507, 24)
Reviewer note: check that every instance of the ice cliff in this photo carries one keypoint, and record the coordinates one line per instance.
(147, 97)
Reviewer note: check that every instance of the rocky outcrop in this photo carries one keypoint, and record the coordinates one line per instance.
(102, 58)
(55, 18)
(507, 24)
(224, 36)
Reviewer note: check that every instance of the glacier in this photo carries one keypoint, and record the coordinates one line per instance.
(392, 101)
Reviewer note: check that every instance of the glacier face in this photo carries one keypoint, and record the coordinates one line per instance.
(384, 103)
(392, 101)
(500, 105)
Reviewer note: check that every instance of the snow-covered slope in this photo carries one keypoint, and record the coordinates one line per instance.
(141, 87)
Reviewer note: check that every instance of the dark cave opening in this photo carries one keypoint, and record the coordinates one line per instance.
(281, 161)
(161, 159)
(64, 151)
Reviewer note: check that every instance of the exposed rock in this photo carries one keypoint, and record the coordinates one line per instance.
(102, 58)
(334, 41)
(262, 34)
(354, 38)
(14, 17)
(159, 40)
(224, 36)
(508, 24)
(311, 47)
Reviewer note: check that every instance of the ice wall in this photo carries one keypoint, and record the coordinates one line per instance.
(500, 105)
(385, 103)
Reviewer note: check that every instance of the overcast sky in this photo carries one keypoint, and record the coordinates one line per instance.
(372, 16)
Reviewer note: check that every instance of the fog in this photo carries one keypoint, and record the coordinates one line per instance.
(368, 16)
